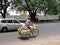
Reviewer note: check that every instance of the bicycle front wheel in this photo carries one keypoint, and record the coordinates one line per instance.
(35, 33)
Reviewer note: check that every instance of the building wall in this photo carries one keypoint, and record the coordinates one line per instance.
(25, 17)
(48, 17)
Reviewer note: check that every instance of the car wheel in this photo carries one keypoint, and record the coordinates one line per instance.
(4, 29)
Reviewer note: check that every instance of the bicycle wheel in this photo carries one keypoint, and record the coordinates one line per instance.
(35, 33)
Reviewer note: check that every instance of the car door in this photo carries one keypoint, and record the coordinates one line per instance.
(16, 24)
(3, 24)
(10, 25)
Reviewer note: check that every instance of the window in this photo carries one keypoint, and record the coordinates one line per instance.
(9, 21)
(15, 21)
(3, 21)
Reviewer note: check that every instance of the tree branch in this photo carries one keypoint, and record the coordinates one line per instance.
(28, 5)
(37, 7)
(39, 3)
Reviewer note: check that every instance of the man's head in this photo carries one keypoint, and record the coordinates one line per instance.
(28, 18)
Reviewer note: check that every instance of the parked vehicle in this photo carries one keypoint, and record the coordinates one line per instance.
(9, 24)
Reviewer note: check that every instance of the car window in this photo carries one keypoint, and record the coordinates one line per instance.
(9, 21)
(3, 21)
(15, 21)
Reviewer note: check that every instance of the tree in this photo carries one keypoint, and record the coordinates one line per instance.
(28, 5)
(3, 6)
(48, 6)
(58, 5)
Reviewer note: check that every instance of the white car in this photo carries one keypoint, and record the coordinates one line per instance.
(9, 24)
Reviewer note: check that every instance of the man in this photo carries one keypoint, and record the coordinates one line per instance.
(28, 23)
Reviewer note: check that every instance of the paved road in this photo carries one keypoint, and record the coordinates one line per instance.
(49, 34)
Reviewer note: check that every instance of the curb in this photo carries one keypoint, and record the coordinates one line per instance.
(44, 21)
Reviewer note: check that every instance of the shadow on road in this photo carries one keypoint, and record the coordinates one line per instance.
(8, 31)
(23, 38)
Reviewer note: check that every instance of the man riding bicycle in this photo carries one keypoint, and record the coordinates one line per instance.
(28, 23)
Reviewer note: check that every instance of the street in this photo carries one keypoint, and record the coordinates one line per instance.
(49, 34)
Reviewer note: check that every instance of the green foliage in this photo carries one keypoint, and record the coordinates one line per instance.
(49, 6)
(58, 5)
(29, 5)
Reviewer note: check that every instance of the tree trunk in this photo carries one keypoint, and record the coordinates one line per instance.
(4, 13)
(5, 6)
(33, 17)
